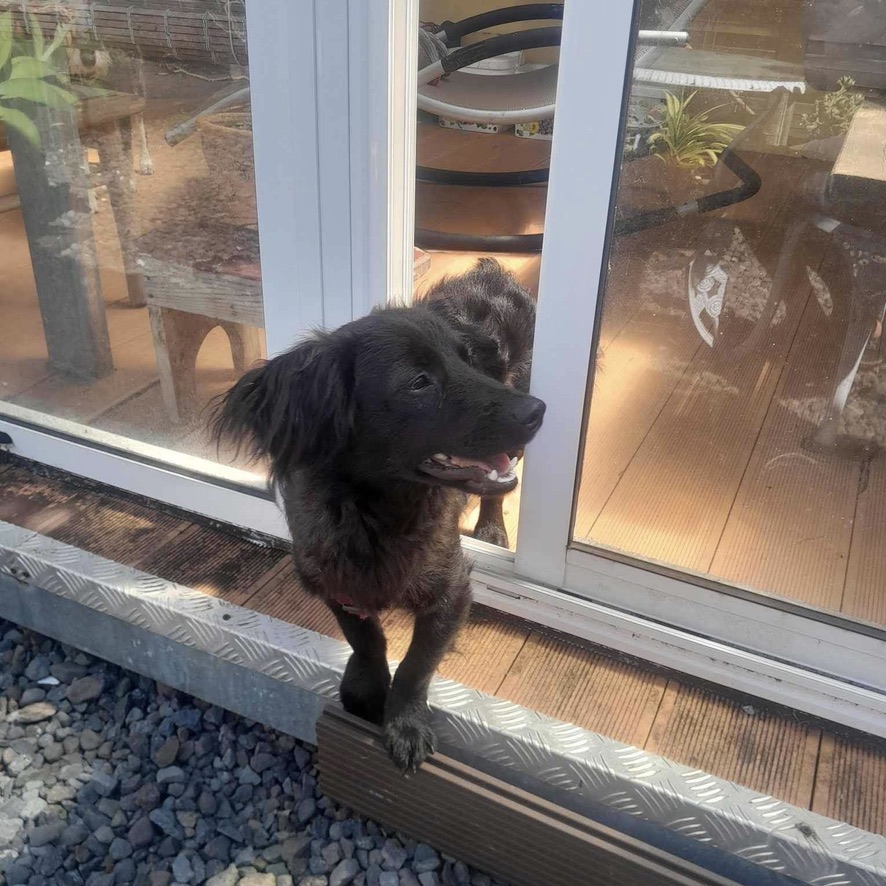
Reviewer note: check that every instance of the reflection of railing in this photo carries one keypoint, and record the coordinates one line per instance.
(198, 30)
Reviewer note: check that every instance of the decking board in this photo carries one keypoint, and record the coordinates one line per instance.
(736, 741)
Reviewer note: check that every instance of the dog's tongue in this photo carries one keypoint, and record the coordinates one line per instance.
(500, 462)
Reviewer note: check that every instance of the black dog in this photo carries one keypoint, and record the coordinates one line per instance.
(374, 434)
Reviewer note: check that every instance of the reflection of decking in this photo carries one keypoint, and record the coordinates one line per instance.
(770, 750)
(698, 461)
(691, 459)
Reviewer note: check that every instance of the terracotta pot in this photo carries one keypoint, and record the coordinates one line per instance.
(227, 147)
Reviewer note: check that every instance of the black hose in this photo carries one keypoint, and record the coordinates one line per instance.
(481, 179)
(750, 184)
(454, 242)
(509, 15)
(501, 45)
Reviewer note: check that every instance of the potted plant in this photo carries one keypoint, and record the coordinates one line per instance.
(29, 75)
(681, 150)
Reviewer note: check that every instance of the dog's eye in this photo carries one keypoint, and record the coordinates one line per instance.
(420, 382)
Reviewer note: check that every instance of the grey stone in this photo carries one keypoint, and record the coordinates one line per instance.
(67, 671)
(407, 878)
(38, 668)
(17, 874)
(389, 878)
(105, 835)
(34, 694)
(10, 828)
(394, 855)
(259, 880)
(171, 774)
(207, 803)
(429, 878)
(261, 762)
(425, 859)
(85, 689)
(51, 862)
(247, 776)
(90, 740)
(166, 754)
(141, 833)
(312, 881)
(166, 821)
(74, 834)
(306, 810)
(332, 854)
(33, 713)
(32, 807)
(120, 849)
(45, 834)
(124, 872)
(181, 869)
(164, 878)
(218, 848)
(228, 877)
(295, 847)
(344, 872)
(104, 783)
(53, 752)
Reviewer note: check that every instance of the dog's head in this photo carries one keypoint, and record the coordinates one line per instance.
(391, 396)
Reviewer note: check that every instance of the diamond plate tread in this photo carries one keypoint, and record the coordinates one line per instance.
(852, 782)
(736, 819)
(566, 680)
(736, 741)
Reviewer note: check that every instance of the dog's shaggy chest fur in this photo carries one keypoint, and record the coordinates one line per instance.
(375, 433)
(397, 547)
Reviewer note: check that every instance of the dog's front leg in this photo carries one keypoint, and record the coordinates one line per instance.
(407, 725)
(367, 677)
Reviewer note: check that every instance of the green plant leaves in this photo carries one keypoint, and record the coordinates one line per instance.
(38, 91)
(26, 66)
(28, 73)
(688, 140)
(22, 123)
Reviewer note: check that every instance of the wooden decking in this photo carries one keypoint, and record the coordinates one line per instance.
(770, 750)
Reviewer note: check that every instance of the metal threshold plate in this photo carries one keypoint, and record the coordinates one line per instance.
(284, 675)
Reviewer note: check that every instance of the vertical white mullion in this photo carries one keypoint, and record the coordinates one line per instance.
(593, 63)
(283, 83)
(384, 58)
(334, 107)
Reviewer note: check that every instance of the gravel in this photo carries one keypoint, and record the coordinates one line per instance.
(110, 779)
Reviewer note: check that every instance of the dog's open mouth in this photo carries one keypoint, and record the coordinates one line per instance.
(483, 476)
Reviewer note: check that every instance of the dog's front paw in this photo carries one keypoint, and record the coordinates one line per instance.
(492, 534)
(145, 166)
(409, 739)
(364, 688)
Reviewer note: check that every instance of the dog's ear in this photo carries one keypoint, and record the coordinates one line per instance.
(296, 409)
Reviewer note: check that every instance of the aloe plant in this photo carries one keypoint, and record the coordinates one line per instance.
(690, 141)
(29, 75)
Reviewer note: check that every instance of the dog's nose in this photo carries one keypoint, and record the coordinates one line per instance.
(530, 411)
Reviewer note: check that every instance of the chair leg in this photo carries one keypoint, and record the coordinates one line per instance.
(246, 345)
(864, 313)
(178, 336)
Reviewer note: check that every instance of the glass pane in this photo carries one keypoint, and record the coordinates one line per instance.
(460, 217)
(128, 244)
(737, 421)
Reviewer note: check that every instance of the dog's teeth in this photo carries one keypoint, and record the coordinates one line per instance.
(514, 462)
(493, 475)
(440, 457)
